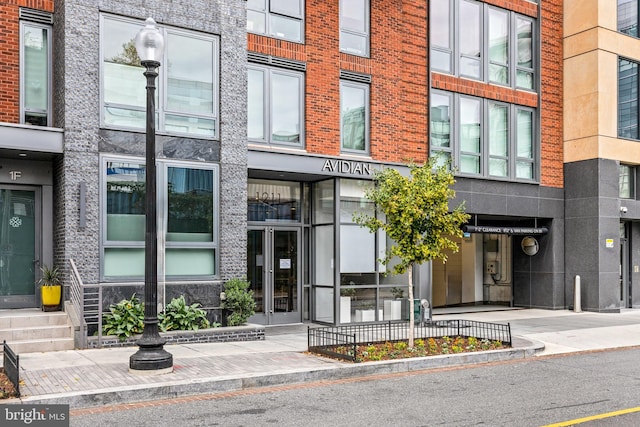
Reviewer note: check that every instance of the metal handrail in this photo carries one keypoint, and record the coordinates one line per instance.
(87, 299)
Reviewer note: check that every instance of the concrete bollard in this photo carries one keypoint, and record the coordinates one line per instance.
(577, 305)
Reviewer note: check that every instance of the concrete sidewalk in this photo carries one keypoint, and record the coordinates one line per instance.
(89, 378)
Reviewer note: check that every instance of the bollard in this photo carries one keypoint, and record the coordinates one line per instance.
(577, 306)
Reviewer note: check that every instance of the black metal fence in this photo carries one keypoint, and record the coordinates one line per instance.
(11, 363)
(342, 341)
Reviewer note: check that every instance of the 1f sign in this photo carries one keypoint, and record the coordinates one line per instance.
(15, 175)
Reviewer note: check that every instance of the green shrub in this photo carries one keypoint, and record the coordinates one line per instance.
(178, 316)
(239, 300)
(124, 319)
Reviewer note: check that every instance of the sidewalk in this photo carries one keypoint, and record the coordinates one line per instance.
(89, 378)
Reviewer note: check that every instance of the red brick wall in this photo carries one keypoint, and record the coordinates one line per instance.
(551, 148)
(397, 64)
(399, 70)
(551, 91)
(10, 55)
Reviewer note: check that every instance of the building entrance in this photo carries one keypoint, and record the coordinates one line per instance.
(274, 273)
(19, 249)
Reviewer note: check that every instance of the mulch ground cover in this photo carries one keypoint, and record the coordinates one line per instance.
(422, 347)
(7, 390)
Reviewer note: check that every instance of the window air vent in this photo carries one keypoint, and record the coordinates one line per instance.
(34, 15)
(260, 58)
(356, 77)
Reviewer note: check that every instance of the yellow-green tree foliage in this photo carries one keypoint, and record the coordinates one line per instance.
(416, 216)
(416, 213)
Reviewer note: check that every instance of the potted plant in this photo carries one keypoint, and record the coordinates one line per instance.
(50, 288)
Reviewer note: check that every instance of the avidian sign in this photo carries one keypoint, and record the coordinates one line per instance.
(347, 167)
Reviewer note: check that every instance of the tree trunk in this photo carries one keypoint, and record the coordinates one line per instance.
(412, 320)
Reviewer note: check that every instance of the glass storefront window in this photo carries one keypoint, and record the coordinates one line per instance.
(323, 202)
(274, 201)
(187, 202)
(125, 201)
(323, 304)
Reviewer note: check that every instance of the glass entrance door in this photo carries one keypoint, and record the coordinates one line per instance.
(274, 274)
(19, 228)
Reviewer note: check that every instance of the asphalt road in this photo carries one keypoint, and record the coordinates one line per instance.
(532, 392)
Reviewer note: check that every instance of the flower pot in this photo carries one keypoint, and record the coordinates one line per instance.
(51, 296)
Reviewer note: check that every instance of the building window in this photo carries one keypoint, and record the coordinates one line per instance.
(187, 86)
(187, 204)
(627, 99)
(627, 182)
(481, 137)
(354, 27)
(457, 30)
(275, 106)
(282, 19)
(628, 17)
(354, 117)
(35, 74)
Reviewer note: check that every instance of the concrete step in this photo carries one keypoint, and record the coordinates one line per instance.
(32, 330)
(31, 319)
(35, 333)
(42, 345)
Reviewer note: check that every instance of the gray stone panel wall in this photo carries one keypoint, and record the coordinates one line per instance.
(592, 216)
(77, 110)
(538, 281)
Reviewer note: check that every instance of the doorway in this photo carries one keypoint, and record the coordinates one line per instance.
(20, 221)
(273, 260)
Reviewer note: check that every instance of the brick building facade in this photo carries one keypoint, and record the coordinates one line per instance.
(265, 155)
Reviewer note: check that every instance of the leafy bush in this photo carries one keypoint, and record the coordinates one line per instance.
(124, 319)
(239, 300)
(182, 317)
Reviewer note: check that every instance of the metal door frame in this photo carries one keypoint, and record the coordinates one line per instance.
(625, 300)
(269, 316)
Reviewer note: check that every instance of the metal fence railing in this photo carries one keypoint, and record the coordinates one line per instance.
(11, 365)
(87, 299)
(342, 341)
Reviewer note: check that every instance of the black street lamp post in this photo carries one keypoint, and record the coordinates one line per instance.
(151, 355)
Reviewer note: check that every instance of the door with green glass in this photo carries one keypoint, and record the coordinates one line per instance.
(274, 273)
(19, 248)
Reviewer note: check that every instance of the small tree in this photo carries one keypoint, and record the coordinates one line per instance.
(239, 300)
(416, 217)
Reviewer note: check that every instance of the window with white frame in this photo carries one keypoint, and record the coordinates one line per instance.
(187, 85)
(283, 19)
(35, 73)
(188, 205)
(482, 137)
(354, 27)
(275, 106)
(457, 30)
(354, 116)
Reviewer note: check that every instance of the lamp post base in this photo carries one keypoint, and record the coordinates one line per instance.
(151, 358)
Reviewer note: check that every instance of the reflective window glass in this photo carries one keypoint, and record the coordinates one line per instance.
(36, 68)
(354, 116)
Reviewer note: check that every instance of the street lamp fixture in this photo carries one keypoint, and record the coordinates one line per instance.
(151, 355)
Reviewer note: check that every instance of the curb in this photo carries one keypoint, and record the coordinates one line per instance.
(169, 390)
